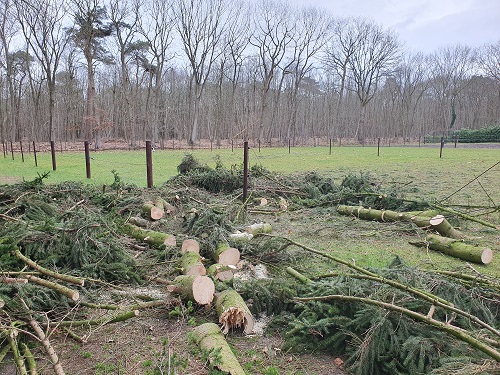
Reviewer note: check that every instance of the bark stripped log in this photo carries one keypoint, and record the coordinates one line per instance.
(191, 264)
(221, 272)
(226, 255)
(459, 249)
(151, 237)
(233, 312)
(152, 211)
(258, 228)
(240, 237)
(437, 223)
(139, 221)
(199, 289)
(209, 337)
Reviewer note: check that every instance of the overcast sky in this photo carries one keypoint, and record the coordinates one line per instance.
(425, 25)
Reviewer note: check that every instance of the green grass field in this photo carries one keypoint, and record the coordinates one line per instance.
(435, 177)
(464, 176)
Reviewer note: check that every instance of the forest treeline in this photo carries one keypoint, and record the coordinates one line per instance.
(228, 69)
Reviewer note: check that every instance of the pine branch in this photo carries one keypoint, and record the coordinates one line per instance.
(435, 300)
(448, 328)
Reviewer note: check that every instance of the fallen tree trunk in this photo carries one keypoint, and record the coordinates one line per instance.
(226, 255)
(221, 272)
(437, 223)
(209, 338)
(152, 211)
(459, 249)
(199, 289)
(302, 278)
(151, 237)
(191, 264)
(467, 217)
(233, 312)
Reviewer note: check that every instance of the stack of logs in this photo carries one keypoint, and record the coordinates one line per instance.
(196, 282)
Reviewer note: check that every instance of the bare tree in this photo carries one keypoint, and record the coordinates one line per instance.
(344, 41)
(41, 22)
(8, 31)
(452, 68)
(308, 40)
(273, 32)
(90, 28)
(157, 28)
(489, 60)
(201, 26)
(373, 60)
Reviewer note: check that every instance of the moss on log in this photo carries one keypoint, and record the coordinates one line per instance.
(151, 237)
(210, 339)
(191, 264)
(233, 312)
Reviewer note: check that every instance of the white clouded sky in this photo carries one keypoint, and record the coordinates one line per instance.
(425, 25)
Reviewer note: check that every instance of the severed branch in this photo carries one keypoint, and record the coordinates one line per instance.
(47, 272)
(61, 289)
(448, 328)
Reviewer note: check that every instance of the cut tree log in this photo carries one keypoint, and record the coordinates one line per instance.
(151, 237)
(459, 249)
(191, 264)
(233, 312)
(199, 289)
(191, 246)
(209, 338)
(152, 211)
(226, 255)
(2, 304)
(258, 228)
(437, 223)
(221, 272)
(442, 226)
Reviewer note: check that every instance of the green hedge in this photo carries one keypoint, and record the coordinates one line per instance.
(478, 135)
(467, 136)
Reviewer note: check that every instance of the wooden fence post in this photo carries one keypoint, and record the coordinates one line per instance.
(53, 152)
(87, 158)
(149, 164)
(245, 173)
(34, 154)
